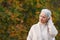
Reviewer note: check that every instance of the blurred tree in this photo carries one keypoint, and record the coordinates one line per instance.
(17, 16)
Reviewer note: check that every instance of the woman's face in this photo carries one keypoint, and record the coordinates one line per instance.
(43, 18)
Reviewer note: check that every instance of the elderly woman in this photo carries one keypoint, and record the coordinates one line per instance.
(44, 29)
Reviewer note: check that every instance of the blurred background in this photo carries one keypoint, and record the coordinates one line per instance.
(17, 17)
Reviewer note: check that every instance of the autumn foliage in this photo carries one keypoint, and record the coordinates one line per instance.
(17, 16)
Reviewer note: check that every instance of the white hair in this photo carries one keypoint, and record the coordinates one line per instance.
(47, 12)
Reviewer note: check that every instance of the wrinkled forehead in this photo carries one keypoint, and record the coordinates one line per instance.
(43, 15)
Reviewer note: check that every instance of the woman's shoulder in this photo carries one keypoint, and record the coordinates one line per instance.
(34, 26)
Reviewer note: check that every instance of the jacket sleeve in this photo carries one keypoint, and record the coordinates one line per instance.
(52, 30)
(30, 34)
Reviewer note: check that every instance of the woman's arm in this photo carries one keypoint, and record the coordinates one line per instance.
(52, 30)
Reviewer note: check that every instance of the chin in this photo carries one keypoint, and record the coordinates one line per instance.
(43, 22)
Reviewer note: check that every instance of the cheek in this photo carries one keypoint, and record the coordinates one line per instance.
(45, 20)
(40, 18)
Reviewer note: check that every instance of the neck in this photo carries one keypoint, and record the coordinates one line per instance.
(43, 23)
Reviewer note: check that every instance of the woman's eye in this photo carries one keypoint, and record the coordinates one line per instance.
(42, 16)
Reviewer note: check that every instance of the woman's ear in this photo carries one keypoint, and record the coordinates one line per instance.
(48, 19)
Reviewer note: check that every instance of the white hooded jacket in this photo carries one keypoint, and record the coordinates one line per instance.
(38, 33)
